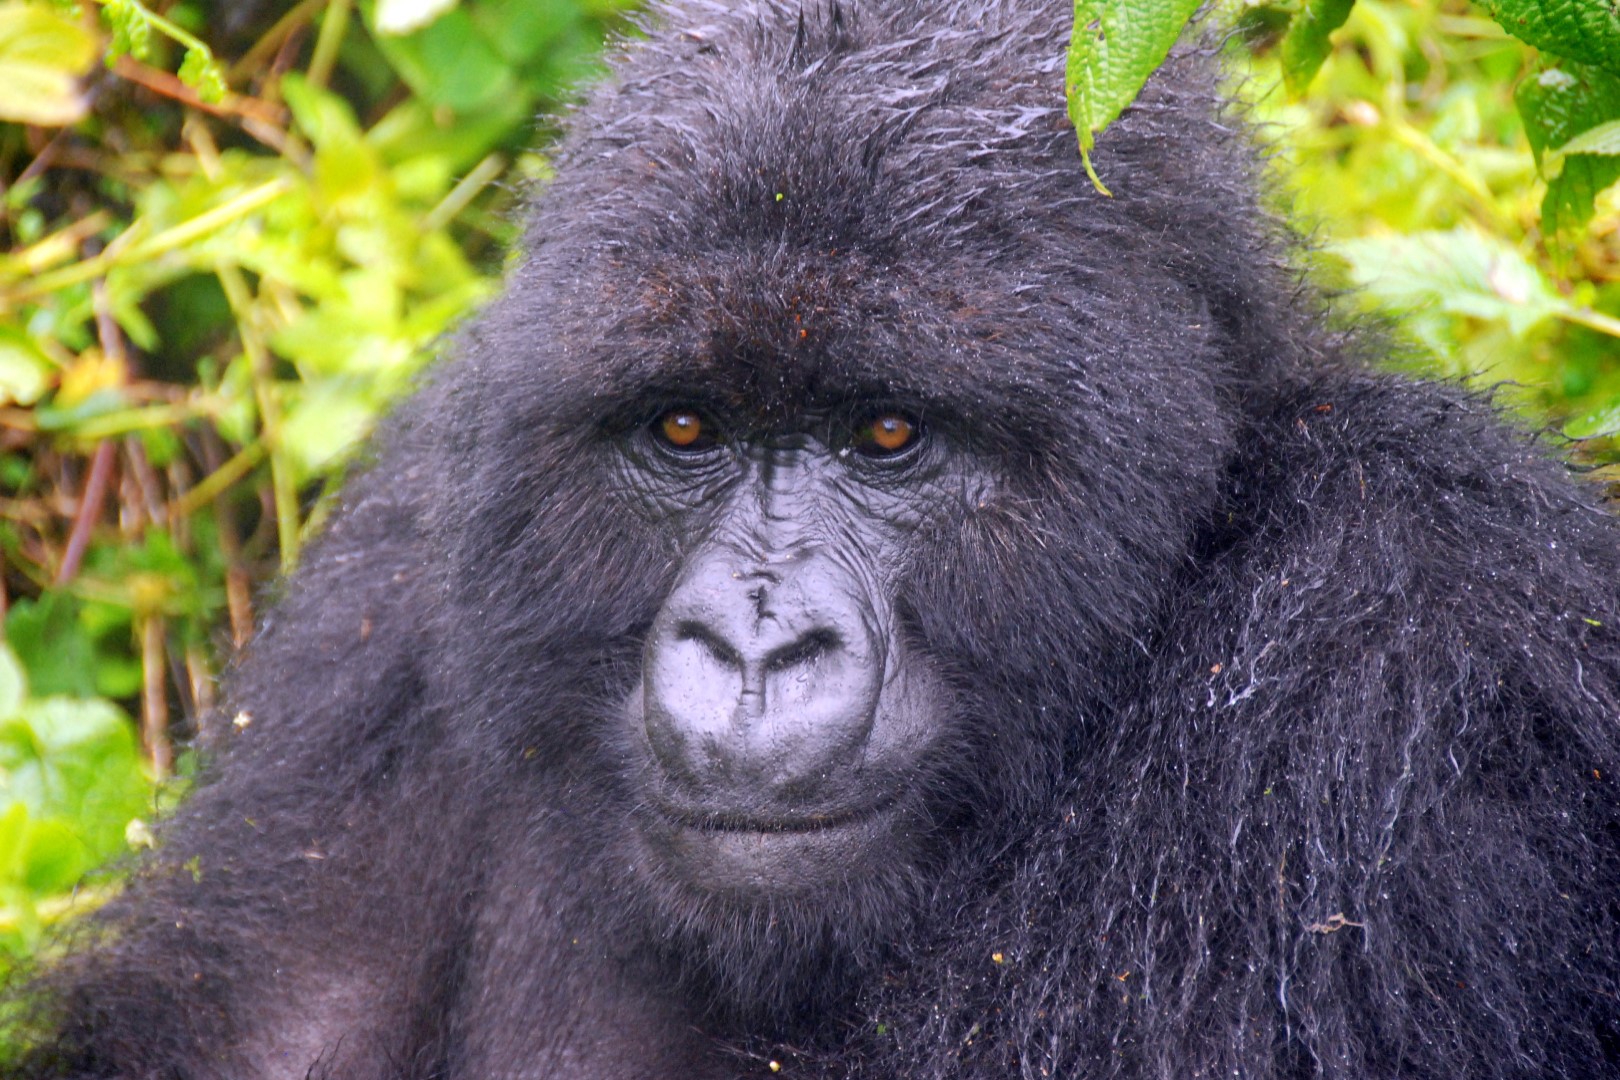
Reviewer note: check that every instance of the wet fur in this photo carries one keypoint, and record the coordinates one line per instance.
(1288, 693)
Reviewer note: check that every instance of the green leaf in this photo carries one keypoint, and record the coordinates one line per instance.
(403, 16)
(1603, 139)
(325, 423)
(1114, 47)
(1605, 421)
(521, 29)
(200, 71)
(55, 857)
(13, 685)
(1586, 30)
(131, 31)
(450, 63)
(346, 165)
(25, 373)
(43, 56)
(1306, 45)
(13, 839)
(1460, 272)
(48, 637)
(74, 758)
(1561, 106)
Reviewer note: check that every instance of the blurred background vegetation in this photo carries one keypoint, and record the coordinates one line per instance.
(232, 232)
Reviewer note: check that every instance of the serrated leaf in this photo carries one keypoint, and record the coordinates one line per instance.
(74, 765)
(1585, 30)
(43, 56)
(1114, 47)
(1306, 45)
(1561, 104)
(403, 16)
(1603, 139)
(1461, 272)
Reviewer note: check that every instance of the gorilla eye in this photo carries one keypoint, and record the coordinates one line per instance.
(684, 429)
(888, 434)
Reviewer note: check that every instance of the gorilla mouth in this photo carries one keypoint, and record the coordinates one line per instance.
(796, 822)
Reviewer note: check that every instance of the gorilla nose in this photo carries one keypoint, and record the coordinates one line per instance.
(762, 682)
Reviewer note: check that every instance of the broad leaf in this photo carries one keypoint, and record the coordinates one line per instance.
(1114, 47)
(1307, 44)
(1460, 272)
(449, 62)
(1565, 109)
(13, 684)
(1587, 30)
(43, 55)
(25, 373)
(1603, 139)
(1605, 421)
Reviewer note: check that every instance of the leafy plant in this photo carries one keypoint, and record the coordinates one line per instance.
(223, 255)
(1571, 108)
(72, 789)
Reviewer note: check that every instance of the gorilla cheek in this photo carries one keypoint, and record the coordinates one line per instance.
(781, 720)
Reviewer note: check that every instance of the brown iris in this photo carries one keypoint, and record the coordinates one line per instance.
(683, 429)
(686, 429)
(886, 435)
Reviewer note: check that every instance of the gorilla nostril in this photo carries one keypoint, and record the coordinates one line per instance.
(717, 647)
(805, 650)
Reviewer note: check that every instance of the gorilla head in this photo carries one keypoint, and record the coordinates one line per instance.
(855, 437)
(864, 599)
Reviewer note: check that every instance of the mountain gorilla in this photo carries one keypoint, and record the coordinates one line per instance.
(864, 604)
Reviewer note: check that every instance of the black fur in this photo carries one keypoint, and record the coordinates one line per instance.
(1285, 695)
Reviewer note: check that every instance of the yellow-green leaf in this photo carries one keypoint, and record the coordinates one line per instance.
(43, 55)
(1307, 44)
(1114, 47)
(25, 373)
(1568, 112)
(1603, 139)
(1586, 30)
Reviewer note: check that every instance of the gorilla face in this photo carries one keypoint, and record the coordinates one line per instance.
(783, 711)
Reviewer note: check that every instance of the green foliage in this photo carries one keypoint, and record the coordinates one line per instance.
(1411, 152)
(1584, 30)
(1572, 109)
(217, 272)
(72, 788)
(1570, 112)
(1115, 46)
(1415, 155)
(43, 55)
(1306, 44)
